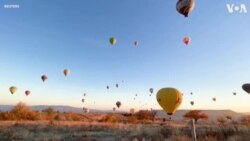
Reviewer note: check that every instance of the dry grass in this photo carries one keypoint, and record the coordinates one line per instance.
(23, 124)
(76, 130)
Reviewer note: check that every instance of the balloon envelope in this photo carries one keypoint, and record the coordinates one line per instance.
(185, 7)
(118, 104)
(246, 87)
(112, 40)
(192, 102)
(169, 99)
(136, 43)
(66, 72)
(13, 89)
(151, 90)
(27, 92)
(186, 40)
(44, 78)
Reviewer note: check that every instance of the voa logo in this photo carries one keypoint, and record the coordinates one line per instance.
(240, 8)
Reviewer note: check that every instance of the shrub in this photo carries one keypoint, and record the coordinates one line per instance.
(145, 115)
(22, 112)
(221, 120)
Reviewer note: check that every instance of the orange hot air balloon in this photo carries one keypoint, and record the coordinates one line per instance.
(186, 40)
(27, 92)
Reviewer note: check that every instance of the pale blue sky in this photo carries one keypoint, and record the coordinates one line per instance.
(44, 37)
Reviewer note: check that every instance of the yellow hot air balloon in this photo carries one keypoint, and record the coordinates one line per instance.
(13, 89)
(66, 72)
(169, 99)
(112, 40)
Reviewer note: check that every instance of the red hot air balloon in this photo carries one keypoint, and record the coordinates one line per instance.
(186, 40)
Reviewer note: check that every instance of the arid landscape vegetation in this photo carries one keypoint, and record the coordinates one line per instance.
(22, 123)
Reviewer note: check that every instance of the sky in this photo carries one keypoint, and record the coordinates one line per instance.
(45, 37)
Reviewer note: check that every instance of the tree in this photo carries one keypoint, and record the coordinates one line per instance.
(50, 113)
(196, 115)
(22, 112)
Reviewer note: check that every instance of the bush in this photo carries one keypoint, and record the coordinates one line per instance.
(22, 112)
(245, 120)
(146, 115)
(221, 120)
(109, 118)
(49, 113)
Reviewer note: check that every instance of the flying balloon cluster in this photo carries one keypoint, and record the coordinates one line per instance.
(168, 98)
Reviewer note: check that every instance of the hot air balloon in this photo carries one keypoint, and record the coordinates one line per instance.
(112, 40)
(136, 43)
(186, 40)
(118, 104)
(135, 94)
(107, 87)
(114, 109)
(234, 93)
(44, 77)
(192, 103)
(214, 99)
(185, 7)
(84, 94)
(13, 89)
(246, 87)
(191, 93)
(117, 85)
(169, 99)
(66, 72)
(27, 92)
(151, 90)
(83, 100)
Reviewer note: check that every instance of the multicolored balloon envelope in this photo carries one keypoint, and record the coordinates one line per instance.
(246, 87)
(66, 72)
(185, 7)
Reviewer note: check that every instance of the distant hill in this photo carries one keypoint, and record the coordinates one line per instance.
(59, 108)
(212, 114)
